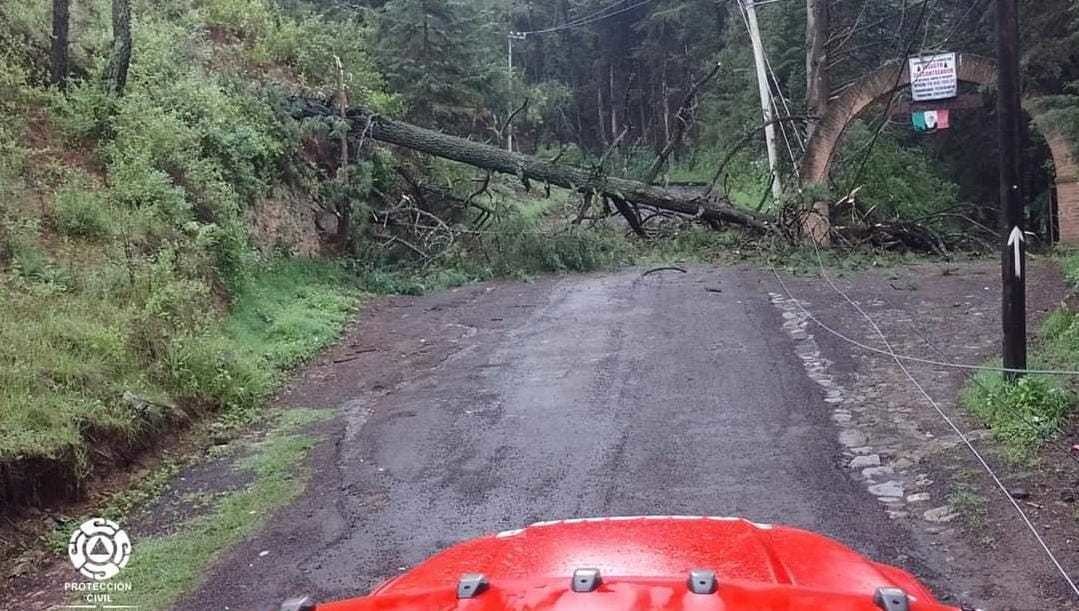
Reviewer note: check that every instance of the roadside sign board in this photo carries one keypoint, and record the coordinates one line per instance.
(934, 77)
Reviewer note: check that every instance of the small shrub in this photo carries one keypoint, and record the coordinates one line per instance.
(1071, 269)
(244, 18)
(83, 213)
(172, 305)
(385, 282)
(1022, 414)
(15, 235)
(83, 111)
(136, 184)
(214, 371)
(970, 505)
(229, 248)
(30, 264)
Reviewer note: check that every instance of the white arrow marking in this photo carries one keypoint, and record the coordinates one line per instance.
(1015, 240)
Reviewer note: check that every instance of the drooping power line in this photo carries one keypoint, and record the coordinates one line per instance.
(890, 351)
(596, 17)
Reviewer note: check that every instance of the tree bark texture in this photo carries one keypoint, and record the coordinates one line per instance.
(714, 208)
(120, 61)
(818, 84)
(60, 21)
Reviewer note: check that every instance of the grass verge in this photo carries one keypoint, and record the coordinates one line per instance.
(966, 501)
(1026, 414)
(76, 390)
(163, 567)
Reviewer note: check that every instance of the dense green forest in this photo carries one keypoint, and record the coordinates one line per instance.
(173, 238)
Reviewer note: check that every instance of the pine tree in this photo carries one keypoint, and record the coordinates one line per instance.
(438, 54)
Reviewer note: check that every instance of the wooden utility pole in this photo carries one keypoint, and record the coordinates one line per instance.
(1009, 130)
(765, 93)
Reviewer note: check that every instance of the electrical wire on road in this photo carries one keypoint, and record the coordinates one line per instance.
(924, 361)
(900, 362)
(908, 358)
(966, 441)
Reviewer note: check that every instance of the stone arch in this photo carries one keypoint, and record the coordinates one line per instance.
(1067, 182)
(895, 75)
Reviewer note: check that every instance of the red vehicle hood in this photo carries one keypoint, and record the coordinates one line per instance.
(645, 563)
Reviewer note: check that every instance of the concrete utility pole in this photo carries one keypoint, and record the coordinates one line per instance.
(1009, 126)
(512, 36)
(766, 94)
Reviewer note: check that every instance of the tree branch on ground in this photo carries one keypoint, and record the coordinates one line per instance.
(630, 215)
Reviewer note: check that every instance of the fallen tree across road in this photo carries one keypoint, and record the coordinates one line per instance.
(364, 123)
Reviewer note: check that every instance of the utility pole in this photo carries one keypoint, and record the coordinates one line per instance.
(512, 36)
(1009, 126)
(766, 94)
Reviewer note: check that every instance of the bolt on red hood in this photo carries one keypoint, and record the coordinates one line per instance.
(644, 563)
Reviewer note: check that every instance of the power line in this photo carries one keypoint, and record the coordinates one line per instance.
(774, 82)
(895, 92)
(925, 361)
(596, 17)
(966, 441)
(958, 24)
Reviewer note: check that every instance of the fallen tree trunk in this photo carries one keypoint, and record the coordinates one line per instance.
(713, 208)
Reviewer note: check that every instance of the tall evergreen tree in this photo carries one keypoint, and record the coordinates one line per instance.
(439, 55)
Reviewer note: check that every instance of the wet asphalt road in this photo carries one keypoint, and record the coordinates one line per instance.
(499, 405)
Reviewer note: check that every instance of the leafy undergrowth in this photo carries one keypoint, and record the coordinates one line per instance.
(1026, 414)
(289, 310)
(281, 315)
(76, 382)
(138, 291)
(1023, 414)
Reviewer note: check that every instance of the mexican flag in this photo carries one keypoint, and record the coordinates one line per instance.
(929, 120)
